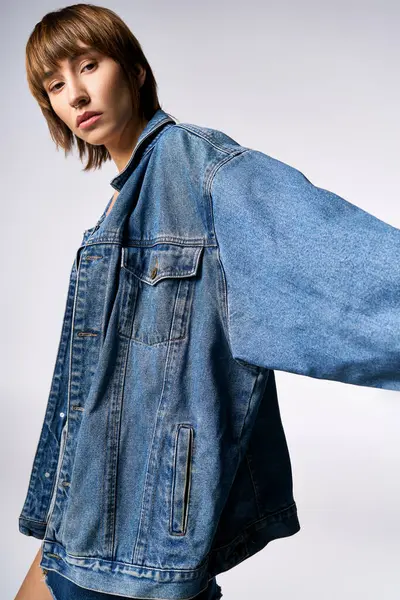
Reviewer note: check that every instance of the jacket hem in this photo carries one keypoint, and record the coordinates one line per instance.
(253, 539)
(138, 581)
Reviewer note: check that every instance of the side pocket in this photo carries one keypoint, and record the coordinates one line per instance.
(181, 480)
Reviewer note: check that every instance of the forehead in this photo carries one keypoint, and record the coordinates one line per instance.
(76, 53)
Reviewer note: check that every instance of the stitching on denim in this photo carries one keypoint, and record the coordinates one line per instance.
(205, 136)
(207, 190)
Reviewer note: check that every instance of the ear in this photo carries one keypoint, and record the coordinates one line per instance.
(141, 75)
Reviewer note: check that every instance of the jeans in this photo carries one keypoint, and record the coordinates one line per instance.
(62, 588)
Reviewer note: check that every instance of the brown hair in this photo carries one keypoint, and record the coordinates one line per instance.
(55, 38)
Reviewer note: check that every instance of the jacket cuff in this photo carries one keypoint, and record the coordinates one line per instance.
(35, 528)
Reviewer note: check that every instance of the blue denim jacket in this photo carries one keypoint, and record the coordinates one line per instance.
(162, 460)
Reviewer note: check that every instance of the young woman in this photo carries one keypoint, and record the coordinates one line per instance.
(83, 60)
(162, 459)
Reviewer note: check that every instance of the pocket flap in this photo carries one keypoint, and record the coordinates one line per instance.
(152, 263)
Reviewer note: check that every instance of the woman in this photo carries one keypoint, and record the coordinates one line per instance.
(112, 79)
(162, 459)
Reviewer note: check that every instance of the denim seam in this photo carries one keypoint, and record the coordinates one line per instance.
(208, 187)
(212, 143)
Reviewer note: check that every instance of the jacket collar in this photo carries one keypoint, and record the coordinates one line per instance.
(146, 138)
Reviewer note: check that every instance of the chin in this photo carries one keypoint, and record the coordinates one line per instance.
(90, 137)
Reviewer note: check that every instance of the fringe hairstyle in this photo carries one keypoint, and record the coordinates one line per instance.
(56, 37)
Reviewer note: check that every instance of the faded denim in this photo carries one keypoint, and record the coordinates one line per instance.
(162, 460)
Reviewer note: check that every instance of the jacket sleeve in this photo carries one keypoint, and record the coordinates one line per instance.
(312, 281)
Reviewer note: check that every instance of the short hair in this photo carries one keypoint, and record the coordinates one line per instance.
(56, 37)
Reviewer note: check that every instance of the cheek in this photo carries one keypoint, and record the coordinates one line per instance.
(119, 99)
(61, 114)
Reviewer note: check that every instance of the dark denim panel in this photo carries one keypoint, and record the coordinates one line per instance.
(62, 588)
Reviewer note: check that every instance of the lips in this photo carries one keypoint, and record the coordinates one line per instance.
(85, 116)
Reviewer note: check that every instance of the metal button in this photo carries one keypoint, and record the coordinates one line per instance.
(62, 414)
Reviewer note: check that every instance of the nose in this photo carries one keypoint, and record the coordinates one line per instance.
(77, 94)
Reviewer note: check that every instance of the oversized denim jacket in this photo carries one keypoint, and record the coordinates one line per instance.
(162, 460)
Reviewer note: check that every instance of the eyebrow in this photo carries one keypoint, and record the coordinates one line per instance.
(71, 58)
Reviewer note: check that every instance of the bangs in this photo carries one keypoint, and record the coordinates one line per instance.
(58, 38)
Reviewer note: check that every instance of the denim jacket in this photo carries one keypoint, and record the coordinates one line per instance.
(162, 460)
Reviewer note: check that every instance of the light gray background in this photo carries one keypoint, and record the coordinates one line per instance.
(312, 83)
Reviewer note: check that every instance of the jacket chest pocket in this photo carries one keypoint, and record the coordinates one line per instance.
(157, 288)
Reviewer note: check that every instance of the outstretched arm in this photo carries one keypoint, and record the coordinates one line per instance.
(313, 281)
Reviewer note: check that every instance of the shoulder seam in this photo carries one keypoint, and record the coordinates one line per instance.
(225, 302)
(205, 137)
(208, 184)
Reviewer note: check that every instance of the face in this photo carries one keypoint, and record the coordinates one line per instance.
(93, 82)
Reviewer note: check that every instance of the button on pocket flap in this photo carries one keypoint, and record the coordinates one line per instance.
(152, 263)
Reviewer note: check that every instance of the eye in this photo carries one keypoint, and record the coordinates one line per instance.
(54, 87)
(56, 84)
(88, 65)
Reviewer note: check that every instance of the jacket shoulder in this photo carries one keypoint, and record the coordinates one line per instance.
(216, 138)
(224, 145)
(234, 160)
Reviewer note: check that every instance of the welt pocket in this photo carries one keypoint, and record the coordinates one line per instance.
(157, 288)
(181, 479)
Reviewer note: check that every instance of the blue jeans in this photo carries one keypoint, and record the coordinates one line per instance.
(62, 588)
